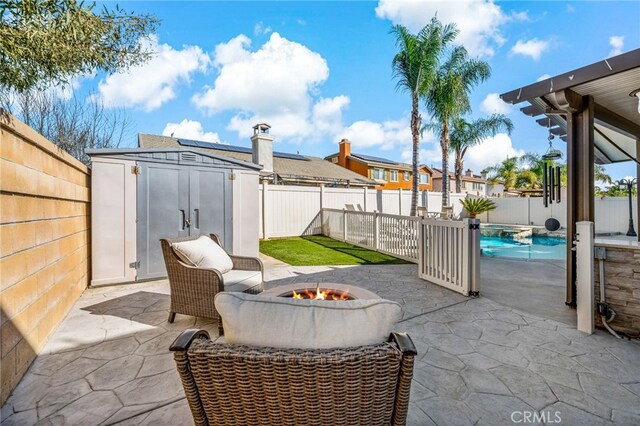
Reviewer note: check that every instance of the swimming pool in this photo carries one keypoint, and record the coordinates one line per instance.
(535, 247)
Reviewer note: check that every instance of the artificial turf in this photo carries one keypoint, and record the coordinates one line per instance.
(318, 250)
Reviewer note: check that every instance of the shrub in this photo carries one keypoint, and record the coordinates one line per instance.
(476, 206)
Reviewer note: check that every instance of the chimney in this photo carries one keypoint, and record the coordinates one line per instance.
(262, 147)
(345, 151)
(469, 173)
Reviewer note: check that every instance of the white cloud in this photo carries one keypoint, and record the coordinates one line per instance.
(233, 51)
(543, 77)
(490, 152)
(260, 28)
(386, 135)
(326, 114)
(492, 104)
(151, 85)
(570, 8)
(532, 48)
(190, 129)
(278, 76)
(617, 44)
(479, 21)
(277, 83)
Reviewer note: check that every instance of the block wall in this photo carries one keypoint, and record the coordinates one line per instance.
(44, 243)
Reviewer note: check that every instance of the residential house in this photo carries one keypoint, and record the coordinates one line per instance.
(387, 174)
(471, 183)
(277, 167)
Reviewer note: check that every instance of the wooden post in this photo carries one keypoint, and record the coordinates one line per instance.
(638, 192)
(580, 158)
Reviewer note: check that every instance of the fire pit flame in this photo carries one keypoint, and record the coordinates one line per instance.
(321, 294)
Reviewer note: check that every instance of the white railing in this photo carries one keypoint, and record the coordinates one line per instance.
(450, 254)
(391, 234)
(447, 251)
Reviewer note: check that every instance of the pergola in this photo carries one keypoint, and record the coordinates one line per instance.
(595, 110)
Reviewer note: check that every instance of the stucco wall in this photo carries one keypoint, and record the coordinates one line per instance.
(44, 233)
(622, 287)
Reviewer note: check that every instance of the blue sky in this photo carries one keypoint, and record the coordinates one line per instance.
(321, 71)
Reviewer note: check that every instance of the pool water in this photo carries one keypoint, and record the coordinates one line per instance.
(536, 247)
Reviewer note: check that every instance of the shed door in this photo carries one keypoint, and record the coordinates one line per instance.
(177, 201)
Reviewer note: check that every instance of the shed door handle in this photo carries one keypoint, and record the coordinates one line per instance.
(185, 220)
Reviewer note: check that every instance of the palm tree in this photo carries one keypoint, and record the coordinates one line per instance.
(505, 173)
(600, 174)
(448, 99)
(415, 66)
(465, 134)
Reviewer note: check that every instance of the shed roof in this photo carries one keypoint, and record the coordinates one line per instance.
(173, 155)
(616, 118)
(310, 168)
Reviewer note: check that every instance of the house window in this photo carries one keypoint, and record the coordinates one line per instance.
(477, 186)
(424, 178)
(334, 160)
(406, 176)
(378, 174)
(394, 175)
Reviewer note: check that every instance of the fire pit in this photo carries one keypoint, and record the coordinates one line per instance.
(320, 291)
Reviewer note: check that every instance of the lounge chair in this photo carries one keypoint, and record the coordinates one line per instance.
(193, 289)
(228, 384)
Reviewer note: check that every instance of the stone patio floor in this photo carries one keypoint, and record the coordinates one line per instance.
(479, 362)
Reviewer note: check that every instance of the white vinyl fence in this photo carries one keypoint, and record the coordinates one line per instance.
(288, 210)
(450, 254)
(611, 213)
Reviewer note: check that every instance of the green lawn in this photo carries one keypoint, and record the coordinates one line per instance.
(319, 250)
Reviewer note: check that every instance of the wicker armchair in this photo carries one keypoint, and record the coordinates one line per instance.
(241, 385)
(193, 289)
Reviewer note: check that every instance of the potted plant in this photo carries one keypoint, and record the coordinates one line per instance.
(476, 206)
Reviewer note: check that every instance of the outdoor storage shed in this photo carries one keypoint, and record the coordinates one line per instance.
(141, 195)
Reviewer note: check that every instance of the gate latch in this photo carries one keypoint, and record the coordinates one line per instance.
(134, 265)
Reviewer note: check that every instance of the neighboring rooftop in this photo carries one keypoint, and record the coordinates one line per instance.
(467, 176)
(289, 168)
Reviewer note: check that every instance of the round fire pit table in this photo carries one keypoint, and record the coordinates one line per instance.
(354, 292)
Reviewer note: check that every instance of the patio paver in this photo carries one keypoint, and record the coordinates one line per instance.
(478, 361)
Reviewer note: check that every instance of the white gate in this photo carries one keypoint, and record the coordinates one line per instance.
(450, 254)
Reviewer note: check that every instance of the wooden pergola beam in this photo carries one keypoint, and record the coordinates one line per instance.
(616, 122)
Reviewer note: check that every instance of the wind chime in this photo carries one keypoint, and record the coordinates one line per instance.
(551, 182)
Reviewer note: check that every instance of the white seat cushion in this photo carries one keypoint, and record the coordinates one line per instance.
(238, 280)
(204, 253)
(305, 324)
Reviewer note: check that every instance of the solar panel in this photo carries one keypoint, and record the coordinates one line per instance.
(290, 156)
(375, 159)
(210, 145)
(231, 148)
(185, 142)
